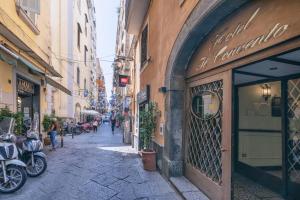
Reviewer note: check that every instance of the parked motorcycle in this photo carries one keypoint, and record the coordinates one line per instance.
(31, 152)
(13, 174)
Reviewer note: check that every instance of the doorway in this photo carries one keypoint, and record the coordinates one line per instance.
(28, 101)
(266, 122)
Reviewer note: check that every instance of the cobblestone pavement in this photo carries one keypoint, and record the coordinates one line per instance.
(95, 166)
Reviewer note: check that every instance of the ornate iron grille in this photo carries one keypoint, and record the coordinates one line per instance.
(204, 136)
(294, 130)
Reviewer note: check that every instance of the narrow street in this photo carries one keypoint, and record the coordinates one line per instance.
(95, 166)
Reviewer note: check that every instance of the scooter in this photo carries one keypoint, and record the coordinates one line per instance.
(31, 152)
(13, 174)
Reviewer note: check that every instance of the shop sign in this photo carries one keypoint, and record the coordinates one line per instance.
(143, 95)
(250, 30)
(25, 86)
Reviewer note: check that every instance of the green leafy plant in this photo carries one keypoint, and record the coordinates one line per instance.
(19, 123)
(120, 118)
(5, 112)
(148, 124)
(47, 121)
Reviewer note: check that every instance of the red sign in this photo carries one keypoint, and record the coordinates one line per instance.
(123, 80)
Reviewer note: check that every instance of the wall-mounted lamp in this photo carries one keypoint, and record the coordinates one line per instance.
(162, 90)
(266, 91)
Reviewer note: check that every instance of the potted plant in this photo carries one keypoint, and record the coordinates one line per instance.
(47, 121)
(19, 125)
(147, 127)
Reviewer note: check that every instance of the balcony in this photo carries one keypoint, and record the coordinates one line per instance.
(134, 15)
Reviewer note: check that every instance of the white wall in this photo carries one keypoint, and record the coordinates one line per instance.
(259, 148)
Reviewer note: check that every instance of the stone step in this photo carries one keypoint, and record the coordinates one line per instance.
(187, 190)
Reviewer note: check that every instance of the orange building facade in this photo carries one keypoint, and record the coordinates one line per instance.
(225, 76)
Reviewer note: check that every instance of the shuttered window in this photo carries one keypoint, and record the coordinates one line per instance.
(31, 9)
(31, 5)
(78, 76)
(85, 54)
(144, 45)
(79, 31)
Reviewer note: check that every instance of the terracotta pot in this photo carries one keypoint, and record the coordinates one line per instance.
(47, 141)
(149, 160)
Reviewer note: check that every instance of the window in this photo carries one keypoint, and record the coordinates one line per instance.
(28, 10)
(79, 31)
(86, 22)
(85, 54)
(84, 84)
(79, 5)
(78, 76)
(32, 16)
(144, 45)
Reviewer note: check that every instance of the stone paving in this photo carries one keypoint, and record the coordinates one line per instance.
(95, 166)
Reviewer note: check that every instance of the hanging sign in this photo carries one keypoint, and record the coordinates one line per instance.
(123, 80)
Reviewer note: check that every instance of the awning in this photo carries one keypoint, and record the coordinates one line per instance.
(31, 66)
(57, 85)
(18, 58)
(90, 112)
(24, 47)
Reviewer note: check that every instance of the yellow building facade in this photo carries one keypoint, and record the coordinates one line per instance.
(25, 57)
(74, 56)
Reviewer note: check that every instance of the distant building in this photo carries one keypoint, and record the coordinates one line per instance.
(123, 81)
(73, 27)
(101, 103)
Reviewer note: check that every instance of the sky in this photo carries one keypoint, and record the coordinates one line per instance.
(106, 24)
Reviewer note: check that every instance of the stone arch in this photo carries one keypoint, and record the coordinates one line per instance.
(204, 17)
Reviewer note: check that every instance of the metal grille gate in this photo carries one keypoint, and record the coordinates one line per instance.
(294, 130)
(205, 135)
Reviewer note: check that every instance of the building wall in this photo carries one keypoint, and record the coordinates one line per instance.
(69, 57)
(163, 31)
(6, 89)
(38, 44)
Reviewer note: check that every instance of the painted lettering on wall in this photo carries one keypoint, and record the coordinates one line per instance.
(25, 86)
(223, 53)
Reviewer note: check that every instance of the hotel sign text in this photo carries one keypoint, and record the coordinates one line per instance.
(241, 36)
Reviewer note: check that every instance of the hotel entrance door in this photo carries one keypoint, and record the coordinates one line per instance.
(267, 126)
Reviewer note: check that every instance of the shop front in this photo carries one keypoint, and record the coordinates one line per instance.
(28, 100)
(240, 137)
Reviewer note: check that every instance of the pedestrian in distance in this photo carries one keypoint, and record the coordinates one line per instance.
(53, 133)
(95, 125)
(113, 122)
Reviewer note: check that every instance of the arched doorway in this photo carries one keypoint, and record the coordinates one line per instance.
(200, 23)
(201, 147)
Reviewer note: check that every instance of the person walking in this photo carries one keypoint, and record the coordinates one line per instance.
(113, 122)
(95, 125)
(53, 133)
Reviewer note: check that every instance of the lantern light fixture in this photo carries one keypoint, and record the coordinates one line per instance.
(266, 91)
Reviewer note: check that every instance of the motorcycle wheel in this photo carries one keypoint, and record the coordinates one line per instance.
(38, 169)
(17, 178)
